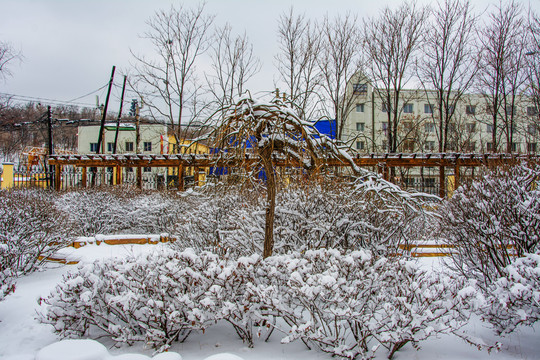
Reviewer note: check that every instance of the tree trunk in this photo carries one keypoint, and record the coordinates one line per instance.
(270, 203)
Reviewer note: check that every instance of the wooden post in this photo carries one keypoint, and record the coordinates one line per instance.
(139, 177)
(118, 175)
(196, 176)
(180, 177)
(442, 182)
(57, 179)
(456, 177)
(84, 176)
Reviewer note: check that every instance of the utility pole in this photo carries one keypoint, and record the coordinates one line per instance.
(119, 115)
(50, 149)
(101, 140)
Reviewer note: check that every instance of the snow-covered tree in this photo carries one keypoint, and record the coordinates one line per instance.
(260, 134)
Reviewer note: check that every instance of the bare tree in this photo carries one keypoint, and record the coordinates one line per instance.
(168, 81)
(233, 63)
(297, 61)
(502, 68)
(449, 64)
(391, 42)
(533, 62)
(8, 55)
(339, 61)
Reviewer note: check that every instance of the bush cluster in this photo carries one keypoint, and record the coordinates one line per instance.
(120, 210)
(491, 221)
(30, 227)
(367, 214)
(345, 304)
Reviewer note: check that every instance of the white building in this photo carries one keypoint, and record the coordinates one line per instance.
(150, 142)
(471, 129)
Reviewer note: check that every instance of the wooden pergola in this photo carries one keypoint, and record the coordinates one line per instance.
(383, 162)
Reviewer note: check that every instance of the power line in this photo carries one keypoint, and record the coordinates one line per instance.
(51, 101)
(90, 93)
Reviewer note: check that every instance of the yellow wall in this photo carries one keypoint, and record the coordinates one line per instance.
(187, 147)
(7, 176)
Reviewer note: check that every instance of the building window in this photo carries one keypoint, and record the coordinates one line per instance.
(408, 108)
(110, 147)
(129, 146)
(429, 146)
(385, 145)
(407, 126)
(359, 107)
(147, 146)
(489, 146)
(532, 111)
(470, 109)
(531, 147)
(384, 126)
(428, 109)
(489, 109)
(489, 128)
(129, 169)
(147, 169)
(384, 107)
(360, 145)
(93, 147)
(510, 110)
(408, 146)
(429, 127)
(359, 89)
(471, 127)
(360, 126)
(515, 147)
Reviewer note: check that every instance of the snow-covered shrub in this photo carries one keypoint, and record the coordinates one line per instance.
(235, 297)
(390, 215)
(121, 210)
(514, 299)
(369, 213)
(157, 299)
(316, 216)
(7, 281)
(349, 305)
(31, 227)
(94, 211)
(490, 221)
(230, 221)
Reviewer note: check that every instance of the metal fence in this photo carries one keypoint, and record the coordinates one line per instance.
(72, 178)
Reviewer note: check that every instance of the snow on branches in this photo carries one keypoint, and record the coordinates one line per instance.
(515, 298)
(260, 134)
(345, 304)
(31, 227)
(491, 221)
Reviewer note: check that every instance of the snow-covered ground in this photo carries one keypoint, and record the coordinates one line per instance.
(23, 338)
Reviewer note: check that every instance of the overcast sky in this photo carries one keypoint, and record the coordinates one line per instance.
(70, 46)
